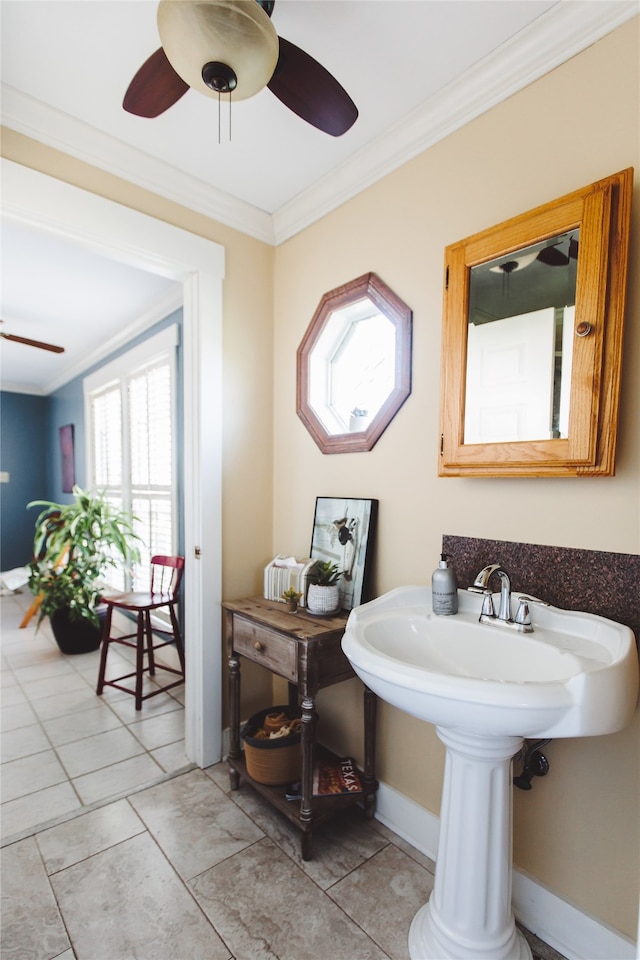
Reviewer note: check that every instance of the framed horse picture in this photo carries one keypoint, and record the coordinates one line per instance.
(343, 533)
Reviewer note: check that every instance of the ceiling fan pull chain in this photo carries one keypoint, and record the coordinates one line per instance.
(219, 115)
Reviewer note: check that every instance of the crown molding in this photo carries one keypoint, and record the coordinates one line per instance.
(26, 389)
(163, 308)
(561, 33)
(553, 38)
(39, 121)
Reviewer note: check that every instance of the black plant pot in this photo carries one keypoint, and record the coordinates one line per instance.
(76, 636)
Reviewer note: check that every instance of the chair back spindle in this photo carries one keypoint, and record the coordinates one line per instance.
(166, 575)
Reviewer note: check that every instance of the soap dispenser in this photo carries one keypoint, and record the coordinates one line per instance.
(444, 589)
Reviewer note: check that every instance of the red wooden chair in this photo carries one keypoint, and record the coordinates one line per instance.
(166, 576)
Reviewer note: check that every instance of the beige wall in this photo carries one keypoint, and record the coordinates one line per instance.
(575, 125)
(579, 825)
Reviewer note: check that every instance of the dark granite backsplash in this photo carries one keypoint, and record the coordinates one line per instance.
(607, 584)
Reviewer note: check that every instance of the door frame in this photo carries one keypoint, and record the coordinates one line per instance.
(139, 240)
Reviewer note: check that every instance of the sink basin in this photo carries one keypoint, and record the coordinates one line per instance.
(486, 687)
(576, 675)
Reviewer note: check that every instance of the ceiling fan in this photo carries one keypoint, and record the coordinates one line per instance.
(551, 255)
(31, 343)
(231, 46)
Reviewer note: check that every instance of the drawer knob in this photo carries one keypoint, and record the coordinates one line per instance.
(259, 646)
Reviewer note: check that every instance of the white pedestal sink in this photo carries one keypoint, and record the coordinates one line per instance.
(486, 688)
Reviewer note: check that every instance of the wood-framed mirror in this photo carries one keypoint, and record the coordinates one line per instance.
(532, 339)
(354, 365)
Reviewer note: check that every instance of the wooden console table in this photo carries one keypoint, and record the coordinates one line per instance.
(306, 651)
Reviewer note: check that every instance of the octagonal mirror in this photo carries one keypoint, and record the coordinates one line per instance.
(354, 365)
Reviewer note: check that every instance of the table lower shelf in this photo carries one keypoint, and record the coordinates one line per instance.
(322, 807)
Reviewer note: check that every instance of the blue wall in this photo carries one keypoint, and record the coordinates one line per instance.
(32, 430)
(23, 455)
(66, 406)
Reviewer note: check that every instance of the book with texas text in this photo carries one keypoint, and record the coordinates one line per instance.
(338, 777)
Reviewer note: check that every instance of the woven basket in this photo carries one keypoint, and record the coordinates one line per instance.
(272, 762)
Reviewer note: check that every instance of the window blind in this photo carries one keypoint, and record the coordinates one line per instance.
(132, 455)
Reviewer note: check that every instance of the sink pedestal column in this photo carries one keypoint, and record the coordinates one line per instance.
(469, 916)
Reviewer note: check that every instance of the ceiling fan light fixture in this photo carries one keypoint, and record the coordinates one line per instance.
(219, 77)
(236, 34)
(514, 264)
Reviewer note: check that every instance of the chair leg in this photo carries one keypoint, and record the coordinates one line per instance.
(178, 636)
(106, 633)
(139, 660)
(149, 632)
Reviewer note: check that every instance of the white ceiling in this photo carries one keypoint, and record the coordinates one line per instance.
(62, 293)
(416, 69)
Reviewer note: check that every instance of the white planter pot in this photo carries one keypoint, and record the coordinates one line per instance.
(323, 600)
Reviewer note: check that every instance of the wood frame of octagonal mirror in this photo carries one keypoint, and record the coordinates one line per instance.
(370, 287)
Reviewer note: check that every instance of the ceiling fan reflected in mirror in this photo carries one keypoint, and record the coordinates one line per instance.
(551, 254)
(14, 338)
(231, 46)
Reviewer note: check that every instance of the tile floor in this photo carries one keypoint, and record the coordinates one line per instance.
(176, 866)
(62, 747)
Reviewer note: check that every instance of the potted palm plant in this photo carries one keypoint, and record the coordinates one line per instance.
(323, 593)
(73, 546)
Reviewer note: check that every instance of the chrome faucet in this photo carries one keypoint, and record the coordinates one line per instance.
(522, 621)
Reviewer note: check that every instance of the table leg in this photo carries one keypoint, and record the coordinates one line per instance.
(234, 720)
(370, 713)
(307, 745)
(307, 846)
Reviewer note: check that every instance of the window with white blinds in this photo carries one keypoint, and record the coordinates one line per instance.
(130, 416)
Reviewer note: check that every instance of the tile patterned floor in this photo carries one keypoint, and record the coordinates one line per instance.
(62, 747)
(180, 867)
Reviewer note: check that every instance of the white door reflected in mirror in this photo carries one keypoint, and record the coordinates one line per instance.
(517, 385)
(518, 352)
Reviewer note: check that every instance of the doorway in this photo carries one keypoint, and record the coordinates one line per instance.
(135, 238)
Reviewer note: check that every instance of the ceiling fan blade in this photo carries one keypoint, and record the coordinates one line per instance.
(32, 343)
(552, 256)
(155, 87)
(303, 85)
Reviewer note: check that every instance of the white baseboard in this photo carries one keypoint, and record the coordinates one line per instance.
(565, 928)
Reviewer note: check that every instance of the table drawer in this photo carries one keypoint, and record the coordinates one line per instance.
(266, 647)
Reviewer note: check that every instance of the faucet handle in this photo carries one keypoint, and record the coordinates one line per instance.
(488, 610)
(530, 599)
(523, 616)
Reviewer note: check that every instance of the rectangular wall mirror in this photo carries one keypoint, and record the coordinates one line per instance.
(532, 339)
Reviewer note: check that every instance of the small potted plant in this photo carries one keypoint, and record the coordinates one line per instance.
(292, 598)
(74, 544)
(323, 594)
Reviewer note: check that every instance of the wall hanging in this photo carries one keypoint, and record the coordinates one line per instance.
(343, 532)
